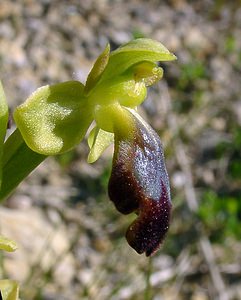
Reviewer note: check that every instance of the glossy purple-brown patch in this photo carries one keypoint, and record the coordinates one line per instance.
(139, 183)
(147, 232)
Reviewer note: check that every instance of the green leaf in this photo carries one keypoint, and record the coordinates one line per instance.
(7, 244)
(98, 141)
(54, 118)
(97, 69)
(9, 289)
(3, 125)
(18, 161)
(134, 52)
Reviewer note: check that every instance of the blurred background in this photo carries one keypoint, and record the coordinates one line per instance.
(70, 237)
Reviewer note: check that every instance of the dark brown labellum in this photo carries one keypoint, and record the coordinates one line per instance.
(139, 183)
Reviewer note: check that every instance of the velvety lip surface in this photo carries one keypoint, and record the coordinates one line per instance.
(139, 183)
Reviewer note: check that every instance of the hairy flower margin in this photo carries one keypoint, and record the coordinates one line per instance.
(56, 118)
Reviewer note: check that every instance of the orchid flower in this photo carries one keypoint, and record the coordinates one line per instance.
(54, 119)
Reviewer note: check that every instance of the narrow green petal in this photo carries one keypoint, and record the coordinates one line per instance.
(7, 244)
(98, 141)
(54, 118)
(97, 69)
(9, 289)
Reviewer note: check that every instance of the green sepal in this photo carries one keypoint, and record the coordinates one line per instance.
(9, 290)
(7, 244)
(97, 69)
(136, 51)
(3, 125)
(98, 141)
(54, 118)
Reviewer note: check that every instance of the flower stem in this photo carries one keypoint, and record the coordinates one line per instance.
(18, 161)
(3, 125)
(148, 294)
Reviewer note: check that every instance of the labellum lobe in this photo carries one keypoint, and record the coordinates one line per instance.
(139, 183)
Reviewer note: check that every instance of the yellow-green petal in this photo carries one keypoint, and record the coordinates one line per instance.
(98, 141)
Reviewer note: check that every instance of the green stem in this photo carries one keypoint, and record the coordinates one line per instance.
(148, 294)
(18, 162)
(3, 125)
